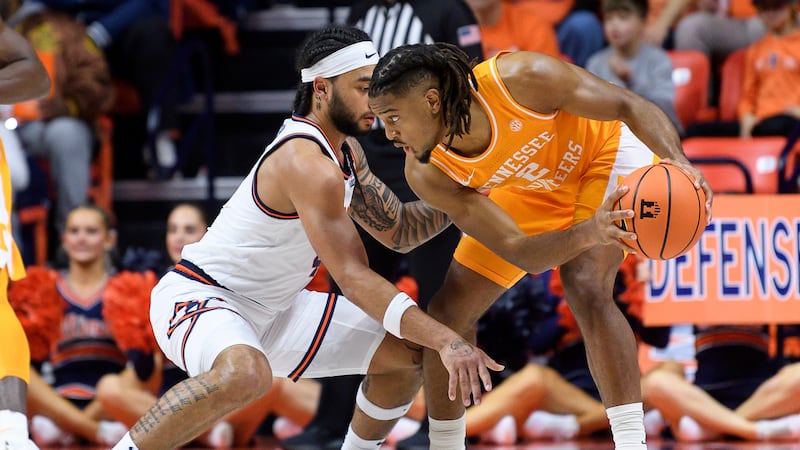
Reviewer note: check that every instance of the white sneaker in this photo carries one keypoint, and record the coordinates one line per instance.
(46, 433)
(504, 432)
(404, 428)
(783, 428)
(545, 425)
(284, 428)
(109, 433)
(691, 431)
(221, 435)
(654, 423)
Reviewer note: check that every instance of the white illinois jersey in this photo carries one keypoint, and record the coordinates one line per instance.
(255, 251)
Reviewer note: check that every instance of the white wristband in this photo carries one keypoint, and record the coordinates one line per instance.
(394, 313)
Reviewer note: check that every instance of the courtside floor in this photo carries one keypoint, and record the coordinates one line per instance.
(269, 444)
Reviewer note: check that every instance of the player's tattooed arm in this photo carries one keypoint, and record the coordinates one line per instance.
(399, 226)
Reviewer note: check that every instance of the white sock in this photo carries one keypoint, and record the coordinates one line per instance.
(654, 423)
(353, 442)
(126, 443)
(220, 436)
(545, 425)
(13, 426)
(447, 434)
(787, 427)
(627, 426)
(691, 431)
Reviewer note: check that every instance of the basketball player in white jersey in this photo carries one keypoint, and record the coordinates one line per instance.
(234, 312)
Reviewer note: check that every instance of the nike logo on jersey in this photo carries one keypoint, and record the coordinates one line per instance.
(369, 55)
(466, 182)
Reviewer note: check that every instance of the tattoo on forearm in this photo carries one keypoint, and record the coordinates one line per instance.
(379, 208)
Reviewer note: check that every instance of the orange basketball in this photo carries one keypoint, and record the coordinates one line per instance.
(669, 213)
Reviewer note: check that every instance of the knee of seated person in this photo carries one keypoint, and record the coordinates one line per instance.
(68, 134)
(109, 389)
(243, 372)
(657, 383)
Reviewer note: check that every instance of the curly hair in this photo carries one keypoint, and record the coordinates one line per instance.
(441, 65)
(317, 46)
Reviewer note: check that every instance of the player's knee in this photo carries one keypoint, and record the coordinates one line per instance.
(243, 372)
(450, 314)
(384, 404)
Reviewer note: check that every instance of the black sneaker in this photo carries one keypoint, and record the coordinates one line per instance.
(314, 438)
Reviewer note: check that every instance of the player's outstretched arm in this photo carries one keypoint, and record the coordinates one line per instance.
(479, 217)
(397, 225)
(22, 75)
(335, 240)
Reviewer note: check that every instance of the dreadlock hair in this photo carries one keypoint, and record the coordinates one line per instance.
(439, 65)
(317, 46)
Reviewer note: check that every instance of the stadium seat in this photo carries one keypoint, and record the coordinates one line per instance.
(690, 74)
(731, 84)
(737, 165)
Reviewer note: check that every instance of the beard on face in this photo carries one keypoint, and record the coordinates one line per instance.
(343, 118)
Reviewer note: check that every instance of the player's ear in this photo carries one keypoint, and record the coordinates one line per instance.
(433, 100)
(321, 87)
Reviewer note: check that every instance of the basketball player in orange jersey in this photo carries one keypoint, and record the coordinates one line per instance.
(22, 77)
(550, 141)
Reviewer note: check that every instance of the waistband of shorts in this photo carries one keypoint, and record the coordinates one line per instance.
(189, 270)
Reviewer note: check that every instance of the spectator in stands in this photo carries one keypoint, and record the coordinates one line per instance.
(139, 46)
(578, 28)
(128, 395)
(513, 26)
(68, 410)
(738, 391)
(716, 28)
(770, 101)
(630, 62)
(59, 128)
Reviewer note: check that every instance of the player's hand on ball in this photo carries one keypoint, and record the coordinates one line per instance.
(467, 366)
(699, 182)
(607, 220)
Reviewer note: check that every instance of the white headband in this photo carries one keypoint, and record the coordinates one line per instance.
(352, 57)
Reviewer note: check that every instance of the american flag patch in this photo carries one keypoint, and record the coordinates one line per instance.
(469, 35)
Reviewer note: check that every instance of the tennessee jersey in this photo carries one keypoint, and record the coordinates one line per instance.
(547, 171)
(255, 251)
(528, 150)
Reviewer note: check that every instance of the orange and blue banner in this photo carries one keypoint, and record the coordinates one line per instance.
(745, 269)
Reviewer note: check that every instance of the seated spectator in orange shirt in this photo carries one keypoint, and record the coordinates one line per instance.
(770, 101)
(513, 26)
(578, 29)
